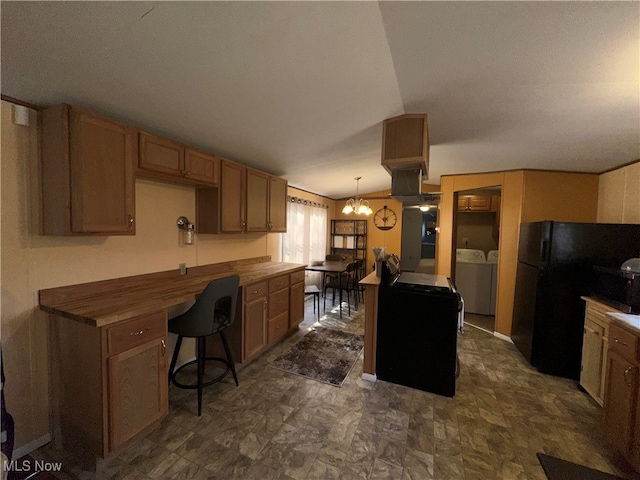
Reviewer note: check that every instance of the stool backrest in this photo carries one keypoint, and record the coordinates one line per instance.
(215, 308)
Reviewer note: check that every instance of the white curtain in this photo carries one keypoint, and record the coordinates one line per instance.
(306, 236)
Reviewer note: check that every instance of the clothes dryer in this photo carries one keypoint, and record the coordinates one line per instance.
(473, 280)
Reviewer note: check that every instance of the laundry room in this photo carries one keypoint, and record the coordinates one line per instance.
(477, 223)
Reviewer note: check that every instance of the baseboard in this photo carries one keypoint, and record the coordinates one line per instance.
(31, 446)
(369, 377)
(502, 337)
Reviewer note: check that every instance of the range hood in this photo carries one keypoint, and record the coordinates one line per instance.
(406, 187)
(405, 155)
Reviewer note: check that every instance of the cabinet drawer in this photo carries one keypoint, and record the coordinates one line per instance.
(278, 303)
(296, 277)
(597, 317)
(254, 291)
(623, 342)
(278, 327)
(278, 283)
(138, 331)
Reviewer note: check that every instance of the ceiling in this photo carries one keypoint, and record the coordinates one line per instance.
(300, 89)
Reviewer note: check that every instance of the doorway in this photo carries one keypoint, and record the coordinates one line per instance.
(419, 233)
(477, 232)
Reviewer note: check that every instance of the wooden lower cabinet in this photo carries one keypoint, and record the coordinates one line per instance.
(296, 299)
(595, 348)
(137, 390)
(108, 384)
(278, 321)
(621, 421)
(255, 315)
(270, 309)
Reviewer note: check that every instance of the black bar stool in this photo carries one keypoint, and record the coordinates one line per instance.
(212, 313)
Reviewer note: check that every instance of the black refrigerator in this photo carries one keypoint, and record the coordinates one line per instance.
(555, 268)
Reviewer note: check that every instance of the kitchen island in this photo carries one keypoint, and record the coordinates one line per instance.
(371, 285)
(108, 345)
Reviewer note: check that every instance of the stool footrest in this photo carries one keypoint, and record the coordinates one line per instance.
(210, 382)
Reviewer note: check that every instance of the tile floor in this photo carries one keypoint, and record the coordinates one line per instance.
(281, 426)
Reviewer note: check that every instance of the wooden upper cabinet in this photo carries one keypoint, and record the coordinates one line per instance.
(232, 197)
(266, 202)
(405, 143)
(88, 182)
(474, 203)
(161, 155)
(277, 205)
(201, 167)
(164, 159)
(257, 201)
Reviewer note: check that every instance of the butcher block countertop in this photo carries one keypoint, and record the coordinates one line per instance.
(110, 301)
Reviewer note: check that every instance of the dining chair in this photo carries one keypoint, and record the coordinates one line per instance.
(345, 282)
(213, 312)
(328, 276)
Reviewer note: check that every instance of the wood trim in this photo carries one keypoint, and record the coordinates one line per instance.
(16, 101)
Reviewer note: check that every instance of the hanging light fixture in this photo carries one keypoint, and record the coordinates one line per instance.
(357, 205)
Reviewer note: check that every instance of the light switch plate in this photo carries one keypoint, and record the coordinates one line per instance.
(183, 268)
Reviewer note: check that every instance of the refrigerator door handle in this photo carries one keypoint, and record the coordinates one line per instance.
(544, 251)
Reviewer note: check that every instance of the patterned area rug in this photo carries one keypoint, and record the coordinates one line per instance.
(558, 469)
(323, 354)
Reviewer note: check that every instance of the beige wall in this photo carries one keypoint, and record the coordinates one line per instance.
(619, 195)
(390, 239)
(30, 262)
(527, 196)
(477, 228)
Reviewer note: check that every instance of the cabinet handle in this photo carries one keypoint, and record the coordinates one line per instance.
(187, 173)
(625, 376)
(255, 292)
(135, 334)
(164, 347)
(130, 221)
(615, 339)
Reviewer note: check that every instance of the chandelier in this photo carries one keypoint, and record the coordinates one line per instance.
(357, 205)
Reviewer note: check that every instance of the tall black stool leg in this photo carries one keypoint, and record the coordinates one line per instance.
(174, 358)
(229, 357)
(202, 355)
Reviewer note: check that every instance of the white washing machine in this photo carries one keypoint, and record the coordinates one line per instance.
(492, 258)
(473, 280)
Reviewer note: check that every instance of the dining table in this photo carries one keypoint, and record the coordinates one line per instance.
(329, 266)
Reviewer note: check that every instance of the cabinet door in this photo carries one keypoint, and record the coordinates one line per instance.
(232, 197)
(591, 373)
(405, 142)
(277, 205)
(619, 404)
(480, 203)
(474, 203)
(255, 315)
(137, 382)
(161, 155)
(201, 167)
(296, 302)
(101, 162)
(257, 201)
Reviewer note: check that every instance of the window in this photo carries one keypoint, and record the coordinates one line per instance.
(306, 237)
